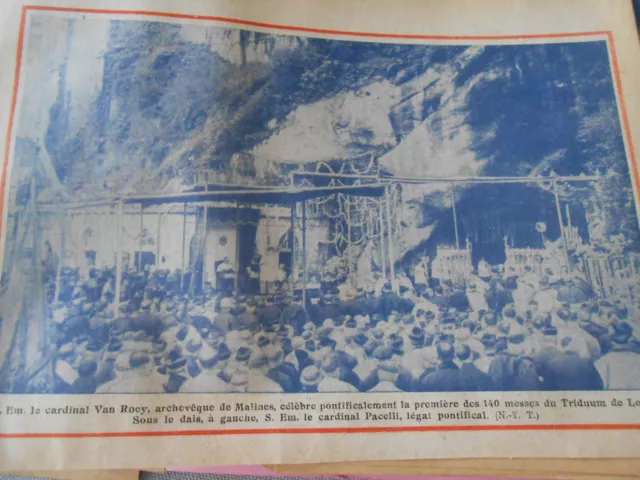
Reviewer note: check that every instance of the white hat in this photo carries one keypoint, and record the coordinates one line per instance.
(66, 372)
(274, 354)
(297, 343)
(66, 349)
(328, 323)
(207, 353)
(310, 376)
(239, 377)
(362, 320)
(463, 334)
(122, 362)
(226, 303)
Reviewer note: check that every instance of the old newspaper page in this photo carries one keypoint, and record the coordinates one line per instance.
(277, 231)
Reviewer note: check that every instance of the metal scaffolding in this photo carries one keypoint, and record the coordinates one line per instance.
(372, 186)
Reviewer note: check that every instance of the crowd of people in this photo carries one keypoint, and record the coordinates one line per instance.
(499, 331)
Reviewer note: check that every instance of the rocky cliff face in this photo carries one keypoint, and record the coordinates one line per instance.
(174, 98)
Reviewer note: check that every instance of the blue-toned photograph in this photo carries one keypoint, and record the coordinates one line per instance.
(194, 208)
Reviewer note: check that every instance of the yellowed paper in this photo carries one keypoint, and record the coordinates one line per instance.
(285, 232)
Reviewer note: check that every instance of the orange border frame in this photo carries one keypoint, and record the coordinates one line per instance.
(254, 431)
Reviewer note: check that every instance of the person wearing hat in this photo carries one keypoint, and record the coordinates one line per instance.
(106, 365)
(422, 307)
(177, 374)
(145, 320)
(100, 325)
(430, 318)
(347, 292)
(395, 341)
(498, 295)
(356, 303)
(348, 329)
(285, 331)
(447, 328)
(489, 323)
(216, 376)
(325, 346)
(390, 302)
(531, 277)
(407, 322)
(523, 295)
(86, 382)
(236, 339)
(270, 313)
(504, 327)
(354, 347)
(544, 342)
(331, 372)
(337, 335)
(77, 321)
(135, 373)
(309, 326)
(224, 319)
(310, 377)
(225, 275)
(239, 381)
(511, 371)
(593, 320)
(422, 357)
(258, 352)
(59, 313)
(172, 282)
(406, 291)
(65, 374)
(563, 369)
(253, 274)
(387, 371)
(247, 317)
(328, 323)
(326, 308)
(168, 309)
(476, 295)
(174, 336)
(586, 345)
(375, 338)
(445, 376)
(471, 378)
(285, 373)
(209, 354)
(199, 317)
(369, 322)
(430, 332)
(509, 315)
(484, 270)
(293, 314)
(416, 337)
(619, 367)
(546, 297)
(260, 381)
(511, 367)
(298, 357)
(358, 367)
